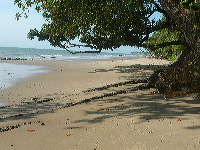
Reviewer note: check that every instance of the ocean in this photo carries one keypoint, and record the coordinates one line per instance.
(50, 54)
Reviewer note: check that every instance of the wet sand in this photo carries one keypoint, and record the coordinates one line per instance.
(12, 73)
(88, 105)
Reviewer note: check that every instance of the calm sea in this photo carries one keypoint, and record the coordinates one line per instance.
(38, 54)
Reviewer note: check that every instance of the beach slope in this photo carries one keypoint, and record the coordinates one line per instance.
(96, 105)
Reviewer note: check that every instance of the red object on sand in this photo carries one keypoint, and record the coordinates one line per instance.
(100, 109)
(31, 130)
(178, 120)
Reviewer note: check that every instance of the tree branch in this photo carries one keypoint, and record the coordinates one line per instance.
(74, 45)
(160, 26)
(78, 45)
(159, 9)
(154, 47)
(99, 51)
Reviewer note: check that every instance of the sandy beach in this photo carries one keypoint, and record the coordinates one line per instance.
(96, 105)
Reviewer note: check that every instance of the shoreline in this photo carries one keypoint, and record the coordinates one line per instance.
(49, 66)
(12, 73)
(96, 105)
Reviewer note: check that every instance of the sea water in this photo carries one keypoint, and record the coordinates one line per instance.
(50, 54)
(11, 73)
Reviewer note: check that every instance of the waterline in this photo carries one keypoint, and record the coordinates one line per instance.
(11, 73)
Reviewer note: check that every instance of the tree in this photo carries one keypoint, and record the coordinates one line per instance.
(158, 44)
(182, 77)
(108, 24)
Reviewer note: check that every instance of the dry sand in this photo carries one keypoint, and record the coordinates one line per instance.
(46, 114)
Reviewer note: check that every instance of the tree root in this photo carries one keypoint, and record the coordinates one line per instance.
(177, 81)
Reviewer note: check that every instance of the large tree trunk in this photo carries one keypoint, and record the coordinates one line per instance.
(182, 77)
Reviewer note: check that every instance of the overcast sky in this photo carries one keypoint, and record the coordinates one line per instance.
(13, 33)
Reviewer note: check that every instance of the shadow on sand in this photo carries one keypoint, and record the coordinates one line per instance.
(145, 107)
(143, 104)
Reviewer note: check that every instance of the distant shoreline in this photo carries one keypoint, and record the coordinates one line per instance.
(9, 53)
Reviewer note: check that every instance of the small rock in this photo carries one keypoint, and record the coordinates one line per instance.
(43, 124)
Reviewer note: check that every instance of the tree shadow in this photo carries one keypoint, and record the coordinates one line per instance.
(144, 107)
(138, 71)
(26, 111)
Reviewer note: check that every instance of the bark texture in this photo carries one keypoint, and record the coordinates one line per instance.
(182, 77)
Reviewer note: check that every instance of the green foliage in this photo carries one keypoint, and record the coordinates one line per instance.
(190, 4)
(164, 35)
(104, 24)
(99, 24)
(169, 51)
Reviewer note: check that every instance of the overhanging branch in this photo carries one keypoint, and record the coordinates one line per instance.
(159, 26)
(154, 47)
(79, 45)
(76, 45)
(159, 9)
(99, 51)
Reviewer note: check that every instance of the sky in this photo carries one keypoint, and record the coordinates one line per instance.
(13, 33)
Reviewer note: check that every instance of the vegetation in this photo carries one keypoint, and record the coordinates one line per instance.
(156, 44)
(103, 24)
(109, 24)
